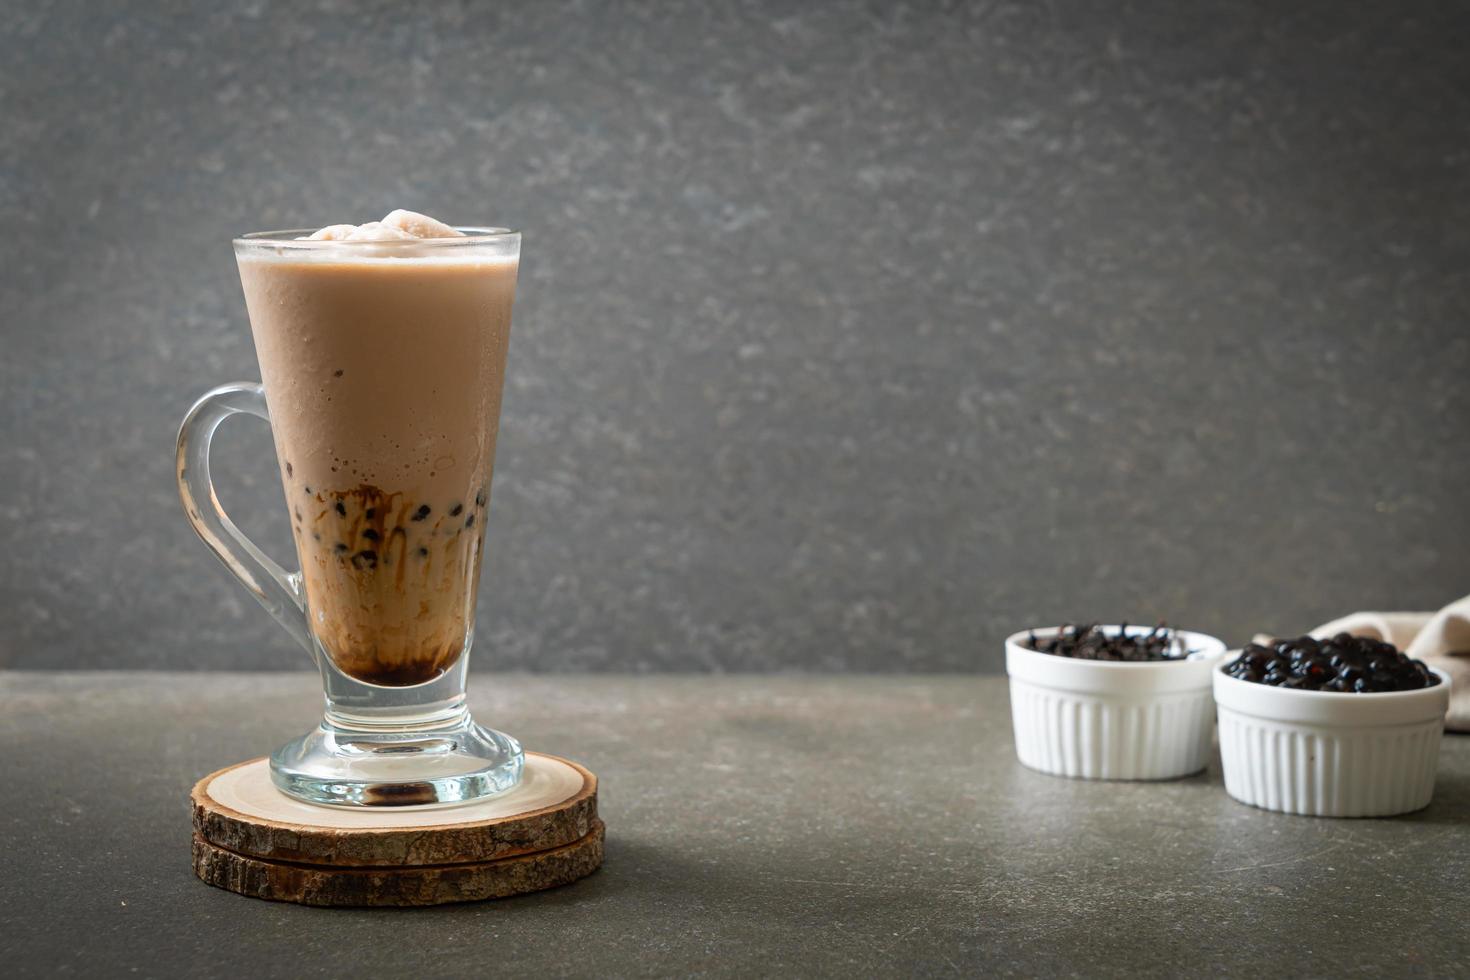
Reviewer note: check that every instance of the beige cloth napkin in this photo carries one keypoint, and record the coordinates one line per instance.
(1441, 640)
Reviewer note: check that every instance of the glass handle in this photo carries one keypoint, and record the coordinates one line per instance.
(273, 587)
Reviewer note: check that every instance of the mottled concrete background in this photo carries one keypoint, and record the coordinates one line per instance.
(851, 337)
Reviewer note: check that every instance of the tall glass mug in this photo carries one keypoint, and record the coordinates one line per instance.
(383, 365)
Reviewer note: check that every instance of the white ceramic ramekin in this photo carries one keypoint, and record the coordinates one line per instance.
(1097, 719)
(1326, 753)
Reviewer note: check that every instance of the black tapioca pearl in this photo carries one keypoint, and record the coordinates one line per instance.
(421, 513)
(341, 509)
(288, 468)
(337, 373)
(456, 510)
(370, 534)
(480, 498)
(1341, 663)
(340, 548)
(365, 560)
(469, 521)
(370, 512)
(1093, 642)
(1319, 673)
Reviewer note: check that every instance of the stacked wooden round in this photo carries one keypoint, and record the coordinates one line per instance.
(252, 839)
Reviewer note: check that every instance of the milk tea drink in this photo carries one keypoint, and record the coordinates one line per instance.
(383, 371)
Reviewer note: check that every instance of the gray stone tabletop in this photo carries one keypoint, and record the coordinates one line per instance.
(756, 826)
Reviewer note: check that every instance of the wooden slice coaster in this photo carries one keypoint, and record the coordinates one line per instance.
(308, 884)
(251, 838)
(239, 810)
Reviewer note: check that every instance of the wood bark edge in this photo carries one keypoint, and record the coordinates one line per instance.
(328, 886)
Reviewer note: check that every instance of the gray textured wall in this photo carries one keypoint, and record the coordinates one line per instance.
(850, 337)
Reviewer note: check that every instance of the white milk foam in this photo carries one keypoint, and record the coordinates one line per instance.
(397, 225)
(402, 237)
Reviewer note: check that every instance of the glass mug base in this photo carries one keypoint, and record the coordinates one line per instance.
(443, 765)
(380, 746)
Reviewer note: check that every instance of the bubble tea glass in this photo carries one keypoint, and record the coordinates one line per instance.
(382, 364)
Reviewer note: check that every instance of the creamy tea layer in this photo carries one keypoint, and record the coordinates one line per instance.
(384, 377)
